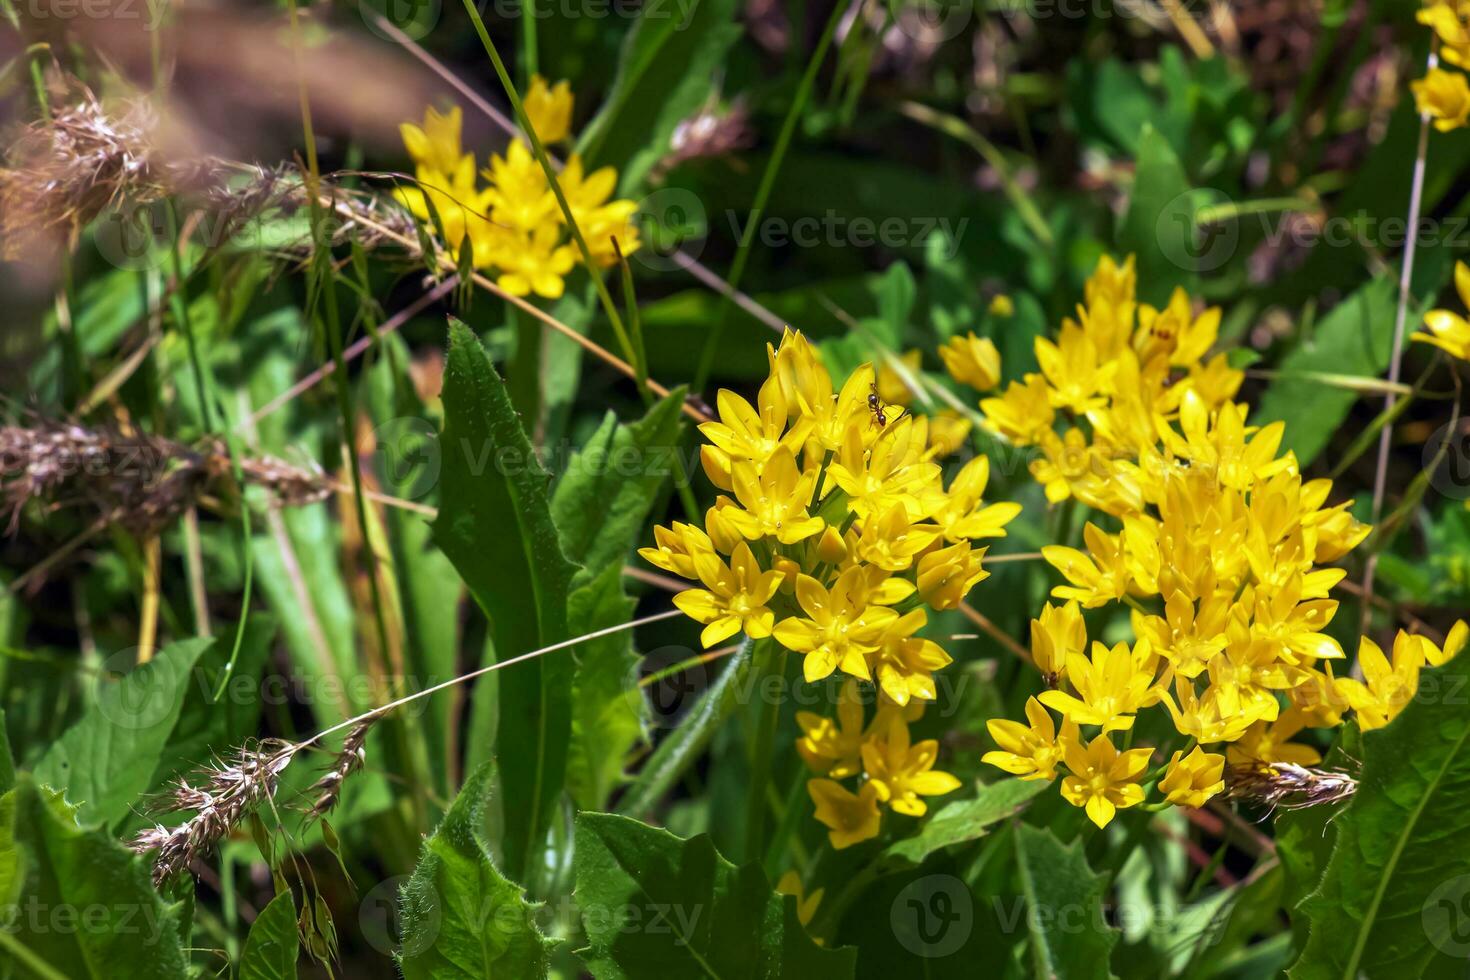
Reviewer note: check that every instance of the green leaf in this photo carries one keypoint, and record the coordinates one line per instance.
(656, 906)
(1160, 226)
(684, 744)
(966, 820)
(273, 944)
(1057, 880)
(461, 917)
(607, 705)
(602, 501)
(496, 527)
(76, 899)
(667, 69)
(1391, 902)
(1354, 338)
(7, 759)
(105, 762)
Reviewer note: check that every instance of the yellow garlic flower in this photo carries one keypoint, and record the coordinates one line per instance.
(1443, 96)
(1211, 536)
(1448, 330)
(512, 224)
(842, 536)
(1450, 20)
(1388, 686)
(972, 361)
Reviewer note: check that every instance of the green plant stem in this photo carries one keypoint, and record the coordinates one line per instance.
(763, 194)
(769, 661)
(608, 306)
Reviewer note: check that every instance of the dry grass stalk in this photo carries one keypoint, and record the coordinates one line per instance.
(328, 789)
(220, 796)
(145, 481)
(1288, 786)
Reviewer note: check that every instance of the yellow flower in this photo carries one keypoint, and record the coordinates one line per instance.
(1001, 306)
(948, 431)
(1111, 686)
(834, 747)
(1450, 19)
(958, 512)
(806, 905)
(1386, 688)
(676, 547)
(902, 773)
(1454, 642)
(775, 500)
(750, 433)
(1443, 96)
(599, 220)
(1268, 742)
(1174, 332)
(1186, 638)
(842, 629)
(1072, 368)
(1022, 413)
(549, 109)
(1192, 779)
(972, 361)
(1097, 578)
(891, 541)
(531, 262)
(1204, 718)
(1103, 780)
(734, 597)
(518, 194)
(1058, 634)
(893, 389)
(436, 144)
(946, 575)
(906, 663)
(850, 818)
(1031, 752)
(1450, 331)
(892, 472)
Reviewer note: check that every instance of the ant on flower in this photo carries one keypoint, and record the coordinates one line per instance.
(875, 404)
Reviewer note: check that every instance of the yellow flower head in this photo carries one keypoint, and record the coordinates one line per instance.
(972, 361)
(549, 108)
(1111, 686)
(1448, 330)
(734, 597)
(436, 144)
(1443, 96)
(902, 774)
(1030, 751)
(850, 818)
(1102, 780)
(1192, 779)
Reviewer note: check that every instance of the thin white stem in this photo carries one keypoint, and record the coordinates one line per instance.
(454, 681)
(1401, 316)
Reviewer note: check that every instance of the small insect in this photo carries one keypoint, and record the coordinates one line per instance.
(876, 406)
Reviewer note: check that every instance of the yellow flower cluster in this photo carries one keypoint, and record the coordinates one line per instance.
(1443, 95)
(1448, 330)
(513, 224)
(834, 534)
(1214, 529)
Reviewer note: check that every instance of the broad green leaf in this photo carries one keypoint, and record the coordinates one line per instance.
(966, 820)
(461, 917)
(666, 70)
(601, 502)
(1391, 903)
(683, 746)
(1160, 226)
(607, 705)
(105, 762)
(1069, 935)
(76, 899)
(656, 906)
(1354, 338)
(273, 944)
(496, 527)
